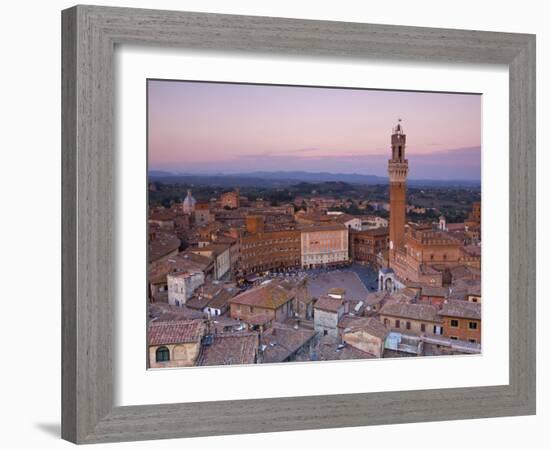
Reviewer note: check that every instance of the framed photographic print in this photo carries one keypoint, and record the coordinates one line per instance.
(335, 219)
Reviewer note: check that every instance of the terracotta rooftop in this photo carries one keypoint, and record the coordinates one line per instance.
(347, 320)
(230, 348)
(415, 311)
(162, 245)
(328, 304)
(472, 287)
(225, 239)
(380, 231)
(215, 247)
(372, 326)
(163, 215)
(175, 332)
(374, 298)
(221, 299)
(462, 309)
(322, 227)
(435, 291)
(455, 226)
(330, 349)
(342, 218)
(269, 295)
(198, 302)
(184, 261)
(165, 312)
(282, 341)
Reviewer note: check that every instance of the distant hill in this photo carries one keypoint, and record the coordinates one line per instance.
(282, 179)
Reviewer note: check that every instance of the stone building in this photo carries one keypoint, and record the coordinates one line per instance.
(426, 256)
(471, 256)
(234, 248)
(182, 285)
(303, 301)
(202, 214)
(219, 252)
(164, 219)
(324, 245)
(231, 200)
(462, 320)
(417, 253)
(411, 318)
(327, 312)
(349, 221)
(366, 334)
(262, 305)
(174, 343)
(367, 244)
(369, 222)
(262, 250)
(157, 275)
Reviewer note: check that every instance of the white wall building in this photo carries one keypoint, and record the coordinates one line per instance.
(327, 311)
(324, 245)
(370, 222)
(220, 253)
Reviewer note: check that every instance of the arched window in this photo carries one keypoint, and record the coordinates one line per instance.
(163, 354)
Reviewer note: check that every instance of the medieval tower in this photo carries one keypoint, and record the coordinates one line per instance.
(398, 168)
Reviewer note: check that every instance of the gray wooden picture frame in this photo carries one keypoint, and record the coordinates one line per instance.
(90, 34)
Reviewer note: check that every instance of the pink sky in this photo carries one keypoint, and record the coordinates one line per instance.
(227, 128)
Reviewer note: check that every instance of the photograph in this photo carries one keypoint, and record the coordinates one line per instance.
(308, 224)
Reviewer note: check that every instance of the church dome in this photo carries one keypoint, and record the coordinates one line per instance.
(189, 202)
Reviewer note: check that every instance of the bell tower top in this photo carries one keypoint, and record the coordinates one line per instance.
(398, 140)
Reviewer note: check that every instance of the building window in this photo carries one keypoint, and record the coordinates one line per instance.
(454, 323)
(408, 325)
(397, 324)
(472, 341)
(325, 332)
(423, 327)
(454, 338)
(162, 354)
(472, 325)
